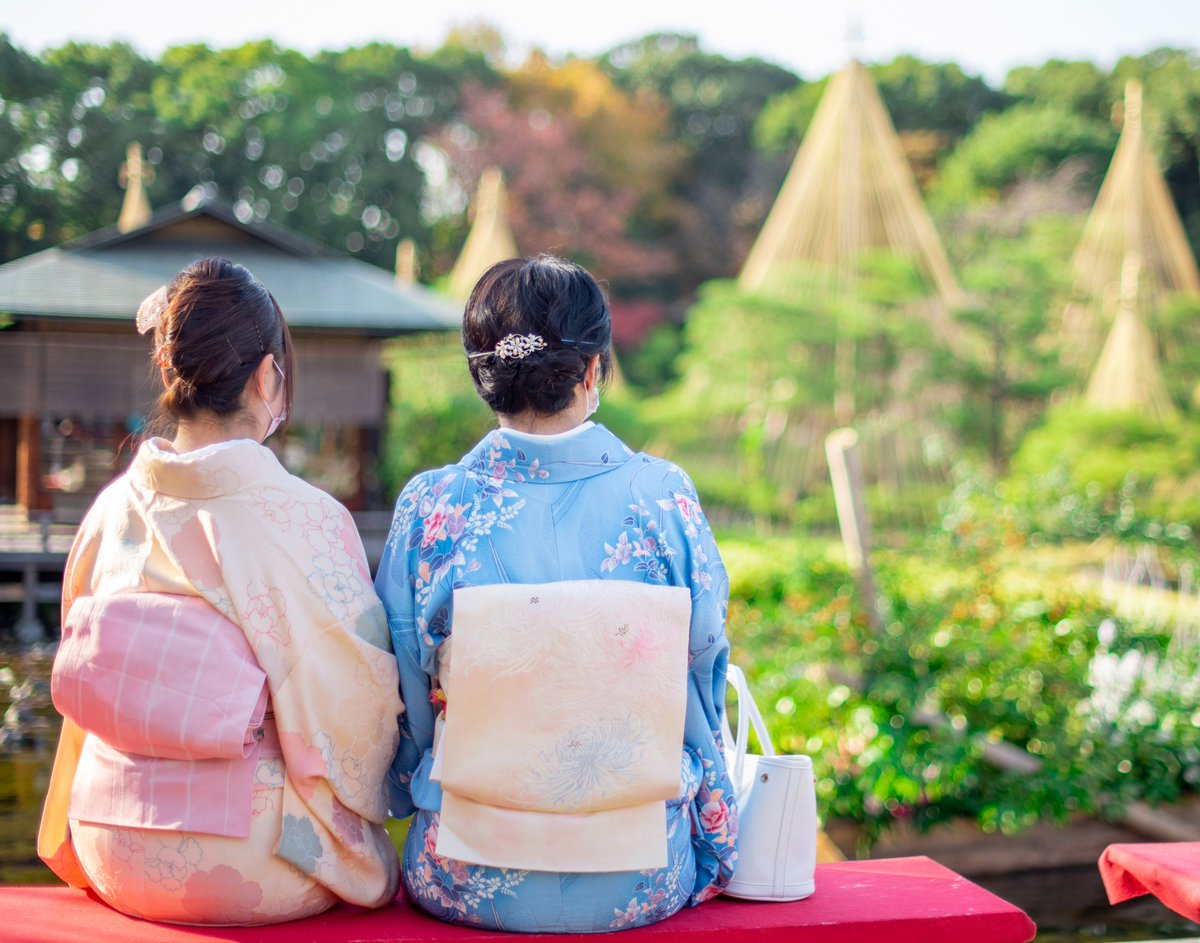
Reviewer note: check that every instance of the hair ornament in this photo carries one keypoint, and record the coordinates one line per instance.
(150, 311)
(518, 346)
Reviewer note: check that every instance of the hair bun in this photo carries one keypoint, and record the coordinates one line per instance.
(217, 325)
(515, 313)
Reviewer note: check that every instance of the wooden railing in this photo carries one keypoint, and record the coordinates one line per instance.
(29, 549)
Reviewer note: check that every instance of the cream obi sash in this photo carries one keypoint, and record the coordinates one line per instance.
(564, 724)
(173, 701)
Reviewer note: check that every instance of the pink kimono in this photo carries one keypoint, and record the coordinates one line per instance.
(229, 694)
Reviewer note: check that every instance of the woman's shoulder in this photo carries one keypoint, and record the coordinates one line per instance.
(650, 470)
(425, 490)
(114, 498)
(303, 490)
(432, 479)
(660, 483)
(296, 490)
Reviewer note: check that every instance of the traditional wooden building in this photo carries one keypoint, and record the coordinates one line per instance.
(75, 377)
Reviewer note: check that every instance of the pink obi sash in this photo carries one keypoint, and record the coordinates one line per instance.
(174, 703)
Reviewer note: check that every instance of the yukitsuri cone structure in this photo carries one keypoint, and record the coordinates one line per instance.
(850, 190)
(135, 176)
(407, 265)
(490, 239)
(1133, 213)
(1128, 376)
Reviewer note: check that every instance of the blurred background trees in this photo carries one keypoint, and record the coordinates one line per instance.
(653, 164)
(662, 157)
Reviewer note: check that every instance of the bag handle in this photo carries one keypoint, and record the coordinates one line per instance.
(748, 715)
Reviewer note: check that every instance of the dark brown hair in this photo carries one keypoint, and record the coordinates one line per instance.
(552, 298)
(219, 323)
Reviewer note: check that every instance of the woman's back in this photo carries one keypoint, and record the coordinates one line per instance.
(215, 553)
(527, 509)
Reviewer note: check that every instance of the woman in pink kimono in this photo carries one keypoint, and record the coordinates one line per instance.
(229, 695)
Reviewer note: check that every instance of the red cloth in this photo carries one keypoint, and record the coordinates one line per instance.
(900, 900)
(1168, 870)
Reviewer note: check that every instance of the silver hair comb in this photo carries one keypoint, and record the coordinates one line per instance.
(518, 346)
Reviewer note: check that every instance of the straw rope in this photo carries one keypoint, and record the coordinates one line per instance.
(1133, 213)
(490, 239)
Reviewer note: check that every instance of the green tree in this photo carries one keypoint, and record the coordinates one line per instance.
(723, 187)
(1015, 282)
(26, 195)
(329, 145)
(785, 119)
(1078, 87)
(935, 96)
(1025, 141)
(1171, 109)
(67, 119)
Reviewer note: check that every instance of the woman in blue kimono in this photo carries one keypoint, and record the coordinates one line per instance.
(552, 496)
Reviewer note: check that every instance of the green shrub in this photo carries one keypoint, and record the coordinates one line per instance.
(435, 416)
(1085, 472)
(985, 626)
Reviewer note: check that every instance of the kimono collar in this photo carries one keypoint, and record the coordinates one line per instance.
(501, 456)
(210, 472)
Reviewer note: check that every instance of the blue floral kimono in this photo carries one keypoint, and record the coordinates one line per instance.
(521, 508)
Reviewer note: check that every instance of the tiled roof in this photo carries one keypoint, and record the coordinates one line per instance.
(104, 276)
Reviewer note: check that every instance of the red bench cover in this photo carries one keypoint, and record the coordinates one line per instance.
(1168, 870)
(900, 900)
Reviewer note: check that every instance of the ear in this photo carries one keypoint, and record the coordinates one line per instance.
(264, 378)
(590, 374)
(166, 379)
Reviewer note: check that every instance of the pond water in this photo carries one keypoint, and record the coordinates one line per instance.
(29, 734)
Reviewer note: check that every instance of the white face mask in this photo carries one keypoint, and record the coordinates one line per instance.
(275, 420)
(593, 402)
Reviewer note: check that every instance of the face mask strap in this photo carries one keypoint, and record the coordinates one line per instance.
(276, 421)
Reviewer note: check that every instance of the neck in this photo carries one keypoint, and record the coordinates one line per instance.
(537, 424)
(198, 433)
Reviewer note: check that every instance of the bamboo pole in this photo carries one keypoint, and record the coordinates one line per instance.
(845, 471)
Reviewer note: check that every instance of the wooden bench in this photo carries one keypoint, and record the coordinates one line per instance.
(897, 900)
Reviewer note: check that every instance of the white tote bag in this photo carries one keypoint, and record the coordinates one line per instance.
(777, 810)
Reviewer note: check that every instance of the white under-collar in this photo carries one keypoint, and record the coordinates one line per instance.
(164, 449)
(551, 436)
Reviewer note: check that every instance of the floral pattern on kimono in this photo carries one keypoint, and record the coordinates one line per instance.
(532, 509)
